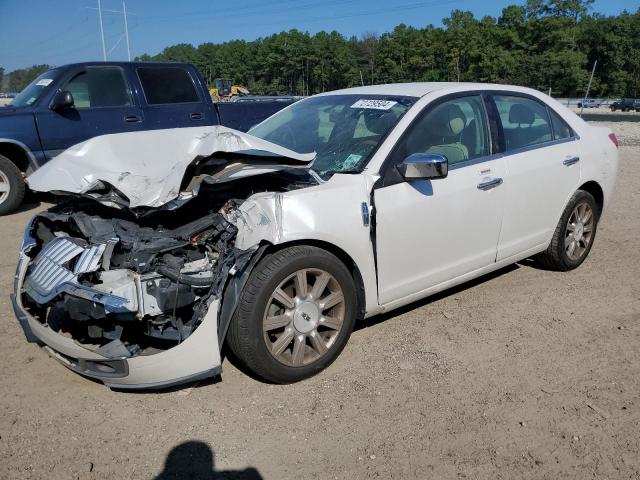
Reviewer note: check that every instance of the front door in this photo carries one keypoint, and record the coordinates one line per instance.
(102, 104)
(432, 231)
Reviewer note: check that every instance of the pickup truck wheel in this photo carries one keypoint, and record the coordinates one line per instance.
(295, 315)
(12, 186)
(574, 234)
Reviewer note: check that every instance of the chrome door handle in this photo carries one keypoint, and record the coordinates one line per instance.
(496, 182)
(570, 161)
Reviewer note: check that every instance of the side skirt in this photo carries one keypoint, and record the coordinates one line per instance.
(461, 279)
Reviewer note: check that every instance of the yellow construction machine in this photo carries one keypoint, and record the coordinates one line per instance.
(224, 90)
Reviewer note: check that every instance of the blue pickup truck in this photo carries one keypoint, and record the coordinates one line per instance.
(69, 104)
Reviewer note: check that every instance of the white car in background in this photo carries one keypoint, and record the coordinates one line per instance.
(174, 243)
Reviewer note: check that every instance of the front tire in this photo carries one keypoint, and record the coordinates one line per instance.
(294, 316)
(12, 186)
(574, 235)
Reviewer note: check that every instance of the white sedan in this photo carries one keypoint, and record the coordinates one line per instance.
(173, 243)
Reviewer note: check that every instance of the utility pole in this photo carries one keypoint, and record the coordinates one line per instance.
(593, 70)
(126, 29)
(104, 49)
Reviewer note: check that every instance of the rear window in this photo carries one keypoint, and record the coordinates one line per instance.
(164, 85)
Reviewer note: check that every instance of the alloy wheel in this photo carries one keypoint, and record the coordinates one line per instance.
(303, 317)
(579, 231)
(5, 187)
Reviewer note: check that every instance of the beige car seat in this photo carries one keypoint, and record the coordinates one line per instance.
(441, 134)
(525, 134)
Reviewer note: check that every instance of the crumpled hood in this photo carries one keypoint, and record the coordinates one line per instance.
(148, 167)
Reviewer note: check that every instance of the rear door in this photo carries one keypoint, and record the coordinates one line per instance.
(172, 98)
(103, 104)
(543, 170)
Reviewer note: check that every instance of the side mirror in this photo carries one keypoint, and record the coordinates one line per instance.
(424, 166)
(62, 100)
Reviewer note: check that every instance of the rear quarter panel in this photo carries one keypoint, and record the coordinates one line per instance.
(600, 160)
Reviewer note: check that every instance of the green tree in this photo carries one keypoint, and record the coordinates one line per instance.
(18, 79)
(543, 44)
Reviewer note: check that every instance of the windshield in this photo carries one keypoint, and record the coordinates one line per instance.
(343, 130)
(34, 90)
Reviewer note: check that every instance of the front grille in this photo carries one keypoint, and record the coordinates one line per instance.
(49, 272)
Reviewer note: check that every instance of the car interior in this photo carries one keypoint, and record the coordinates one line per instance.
(525, 127)
(447, 130)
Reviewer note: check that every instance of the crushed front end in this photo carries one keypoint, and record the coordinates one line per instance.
(134, 277)
(131, 302)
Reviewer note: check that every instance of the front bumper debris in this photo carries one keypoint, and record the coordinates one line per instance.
(195, 358)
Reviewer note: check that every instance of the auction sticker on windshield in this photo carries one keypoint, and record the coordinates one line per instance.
(375, 104)
(45, 82)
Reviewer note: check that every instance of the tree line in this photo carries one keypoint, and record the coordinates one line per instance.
(545, 44)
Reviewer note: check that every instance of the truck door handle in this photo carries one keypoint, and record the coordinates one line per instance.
(196, 116)
(132, 119)
(496, 182)
(570, 161)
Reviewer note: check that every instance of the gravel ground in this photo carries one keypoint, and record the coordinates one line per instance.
(522, 374)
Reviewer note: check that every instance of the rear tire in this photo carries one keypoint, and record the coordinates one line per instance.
(12, 186)
(574, 235)
(285, 344)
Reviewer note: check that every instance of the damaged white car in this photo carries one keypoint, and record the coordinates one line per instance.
(171, 244)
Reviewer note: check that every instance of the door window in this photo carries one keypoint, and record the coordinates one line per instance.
(455, 129)
(100, 87)
(164, 85)
(525, 122)
(560, 128)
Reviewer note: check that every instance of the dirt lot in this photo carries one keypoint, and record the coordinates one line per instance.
(522, 374)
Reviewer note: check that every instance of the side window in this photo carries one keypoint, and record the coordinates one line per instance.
(164, 85)
(456, 129)
(100, 87)
(560, 128)
(525, 122)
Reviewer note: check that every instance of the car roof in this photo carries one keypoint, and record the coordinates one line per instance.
(121, 64)
(420, 89)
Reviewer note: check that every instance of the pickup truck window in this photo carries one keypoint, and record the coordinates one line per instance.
(164, 85)
(100, 87)
(34, 90)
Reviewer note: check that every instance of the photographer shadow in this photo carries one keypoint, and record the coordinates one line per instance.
(195, 460)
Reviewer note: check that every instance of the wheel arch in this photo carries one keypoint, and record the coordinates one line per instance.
(596, 191)
(17, 153)
(342, 255)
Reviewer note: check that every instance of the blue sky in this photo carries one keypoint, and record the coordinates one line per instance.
(64, 31)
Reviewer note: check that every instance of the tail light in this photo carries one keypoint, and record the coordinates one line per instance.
(614, 139)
